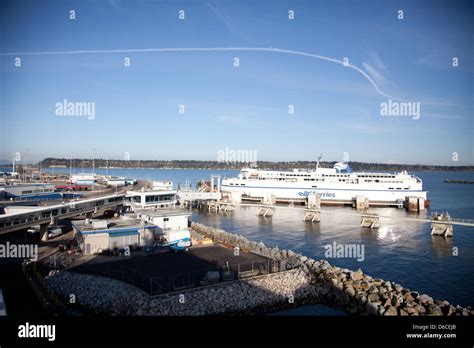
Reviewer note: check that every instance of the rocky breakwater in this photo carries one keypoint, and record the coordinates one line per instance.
(261, 294)
(352, 291)
(95, 294)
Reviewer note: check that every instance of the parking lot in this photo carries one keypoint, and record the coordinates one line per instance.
(167, 271)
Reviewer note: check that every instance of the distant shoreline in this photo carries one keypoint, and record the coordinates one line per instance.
(459, 182)
(64, 163)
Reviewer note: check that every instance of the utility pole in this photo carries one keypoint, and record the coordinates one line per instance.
(25, 171)
(93, 169)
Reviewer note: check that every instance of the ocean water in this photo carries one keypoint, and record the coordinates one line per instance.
(400, 250)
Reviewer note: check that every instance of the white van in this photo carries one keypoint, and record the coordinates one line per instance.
(54, 232)
(33, 229)
(179, 240)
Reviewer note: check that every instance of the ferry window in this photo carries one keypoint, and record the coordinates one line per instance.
(166, 219)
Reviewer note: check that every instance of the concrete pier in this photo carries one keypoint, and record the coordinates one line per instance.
(312, 215)
(369, 221)
(265, 211)
(212, 207)
(441, 225)
(415, 204)
(362, 203)
(269, 199)
(226, 207)
(314, 201)
(217, 207)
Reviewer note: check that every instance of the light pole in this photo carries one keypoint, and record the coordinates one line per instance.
(25, 171)
(93, 169)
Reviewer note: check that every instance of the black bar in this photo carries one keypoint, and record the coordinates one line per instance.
(240, 330)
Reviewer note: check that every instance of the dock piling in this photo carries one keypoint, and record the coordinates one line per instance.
(312, 215)
(265, 211)
(362, 203)
(441, 225)
(370, 221)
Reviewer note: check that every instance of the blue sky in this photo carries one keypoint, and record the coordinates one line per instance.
(337, 109)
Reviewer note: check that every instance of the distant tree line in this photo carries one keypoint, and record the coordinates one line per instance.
(191, 164)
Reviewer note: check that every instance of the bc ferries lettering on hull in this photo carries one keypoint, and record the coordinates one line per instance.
(337, 185)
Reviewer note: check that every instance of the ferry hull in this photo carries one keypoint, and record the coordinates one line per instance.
(327, 195)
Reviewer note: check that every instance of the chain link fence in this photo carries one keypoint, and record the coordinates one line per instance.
(162, 284)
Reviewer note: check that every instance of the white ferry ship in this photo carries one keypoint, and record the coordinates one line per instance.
(337, 185)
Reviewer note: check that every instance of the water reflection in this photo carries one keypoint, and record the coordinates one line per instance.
(265, 220)
(312, 229)
(442, 247)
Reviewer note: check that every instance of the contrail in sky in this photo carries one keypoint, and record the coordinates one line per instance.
(233, 49)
